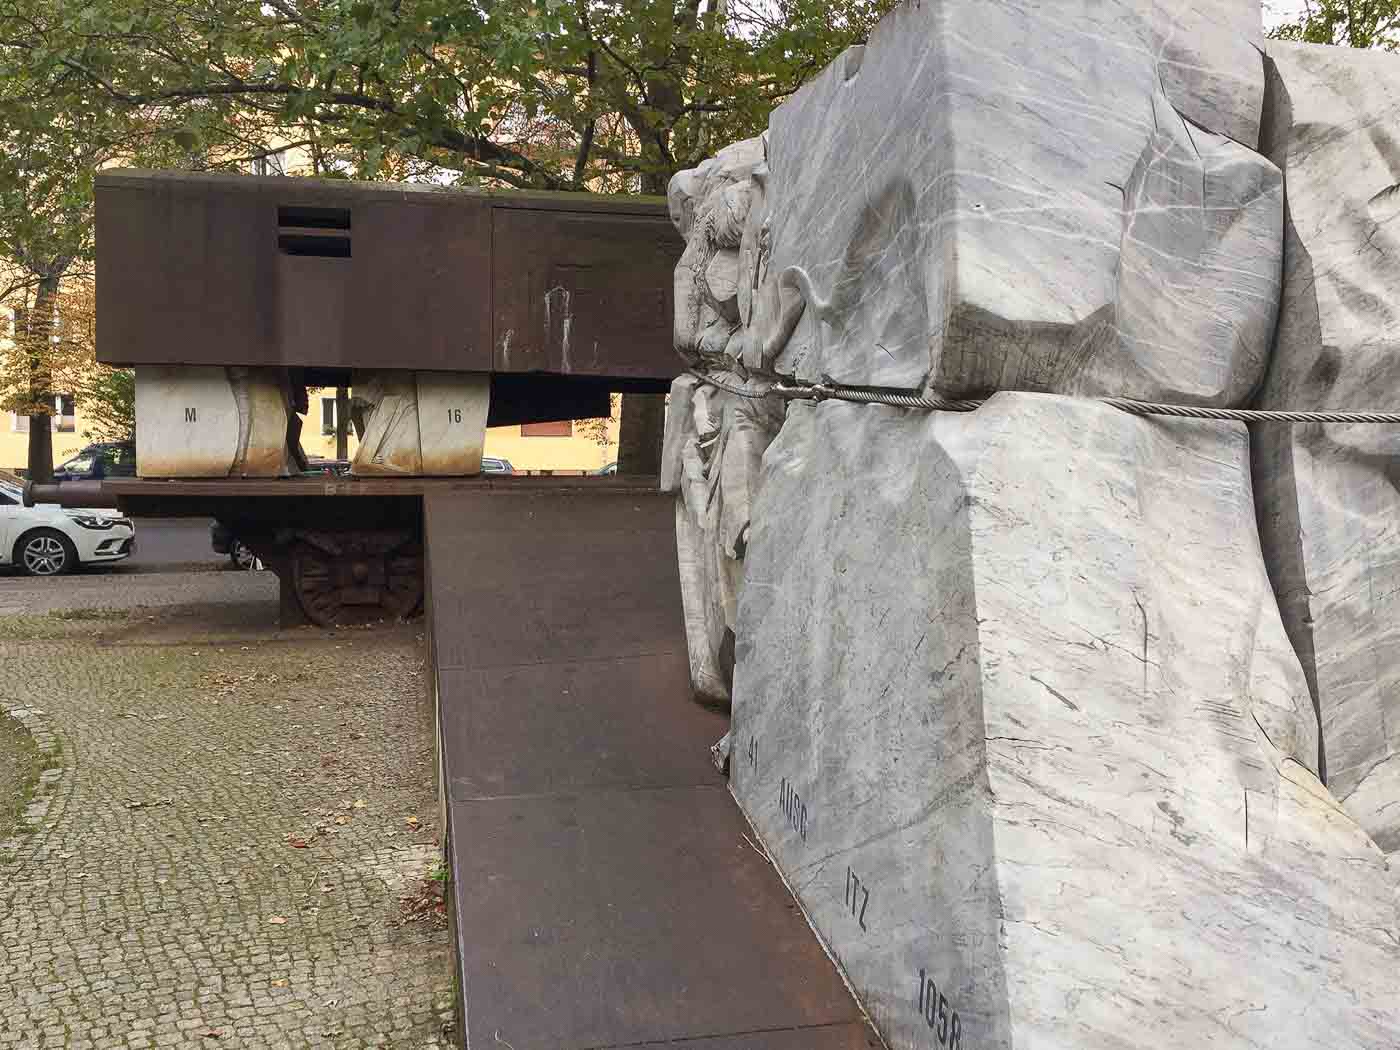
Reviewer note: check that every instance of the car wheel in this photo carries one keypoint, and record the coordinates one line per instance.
(240, 555)
(45, 552)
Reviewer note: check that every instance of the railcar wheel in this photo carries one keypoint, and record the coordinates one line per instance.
(357, 577)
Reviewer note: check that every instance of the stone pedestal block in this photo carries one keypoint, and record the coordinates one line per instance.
(1016, 717)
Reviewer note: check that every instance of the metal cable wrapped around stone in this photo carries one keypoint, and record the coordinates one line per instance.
(824, 392)
(1247, 415)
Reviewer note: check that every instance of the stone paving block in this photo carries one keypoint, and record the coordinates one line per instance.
(130, 921)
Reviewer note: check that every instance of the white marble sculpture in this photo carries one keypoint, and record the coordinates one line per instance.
(1329, 494)
(421, 423)
(715, 439)
(1015, 709)
(212, 422)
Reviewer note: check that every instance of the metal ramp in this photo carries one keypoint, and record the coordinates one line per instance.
(605, 893)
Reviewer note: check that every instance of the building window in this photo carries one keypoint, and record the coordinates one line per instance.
(65, 414)
(272, 164)
(562, 429)
(327, 415)
(64, 418)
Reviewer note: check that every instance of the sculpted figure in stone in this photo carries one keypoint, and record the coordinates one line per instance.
(714, 439)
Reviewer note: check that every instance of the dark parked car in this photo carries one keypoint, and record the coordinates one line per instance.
(106, 459)
(223, 540)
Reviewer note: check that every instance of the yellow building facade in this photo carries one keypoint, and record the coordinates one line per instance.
(67, 427)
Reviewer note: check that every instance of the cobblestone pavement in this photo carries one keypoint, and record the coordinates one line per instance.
(121, 589)
(220, 853)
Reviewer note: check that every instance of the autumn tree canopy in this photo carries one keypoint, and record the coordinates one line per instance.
(560, 95)
(1349, 23)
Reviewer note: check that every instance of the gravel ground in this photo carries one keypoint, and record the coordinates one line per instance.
(220, 856)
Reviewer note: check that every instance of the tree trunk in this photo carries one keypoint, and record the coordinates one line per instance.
(41, 443)
(39, 326)
(342, 423)
(639, 438)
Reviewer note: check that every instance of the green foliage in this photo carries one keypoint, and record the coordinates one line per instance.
(560, 94)
(108, 400)
(1350, 23)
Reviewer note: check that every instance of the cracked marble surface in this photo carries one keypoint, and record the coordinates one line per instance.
(1035, 699)
(1329, 494)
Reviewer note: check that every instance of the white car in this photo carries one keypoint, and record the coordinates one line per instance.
(48, 540)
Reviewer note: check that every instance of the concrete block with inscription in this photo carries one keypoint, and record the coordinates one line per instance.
(1328, 497)
(1016, 717)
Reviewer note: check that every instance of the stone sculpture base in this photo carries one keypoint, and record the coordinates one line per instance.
(1016, 716)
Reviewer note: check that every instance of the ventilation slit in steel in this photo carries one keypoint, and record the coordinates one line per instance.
(321, 232)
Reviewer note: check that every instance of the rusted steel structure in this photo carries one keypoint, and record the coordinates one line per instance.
(329, 275)
(452, 310)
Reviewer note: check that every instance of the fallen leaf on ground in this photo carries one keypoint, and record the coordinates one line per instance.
(359, 803)
(296, 843)
(411, 821)
(278, 920)
(280, 983)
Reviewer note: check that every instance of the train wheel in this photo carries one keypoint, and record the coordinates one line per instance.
(357, 577)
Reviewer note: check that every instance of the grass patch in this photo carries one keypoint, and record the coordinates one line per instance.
(64, 623)
(21, 762)
(89, 614)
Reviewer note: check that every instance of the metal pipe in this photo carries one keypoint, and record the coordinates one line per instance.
(69, 494)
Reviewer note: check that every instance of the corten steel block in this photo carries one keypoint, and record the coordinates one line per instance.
(603, 894)
(240, 270)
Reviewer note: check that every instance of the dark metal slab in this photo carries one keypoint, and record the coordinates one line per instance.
(554, 727)
(615, 917)
(581, 292)
(552, 576)
(835, 1037)
(605, 891)
(200, 269)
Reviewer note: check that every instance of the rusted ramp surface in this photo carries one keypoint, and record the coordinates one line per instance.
(604, 891)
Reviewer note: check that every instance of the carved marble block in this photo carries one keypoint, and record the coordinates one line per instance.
(1329, 494)
(421, 423)
(1010, 195)
(1016, 717)
(211, 422)
(1017, 709)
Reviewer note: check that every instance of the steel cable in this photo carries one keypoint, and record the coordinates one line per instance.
(827, 391)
